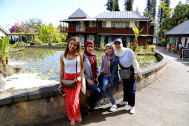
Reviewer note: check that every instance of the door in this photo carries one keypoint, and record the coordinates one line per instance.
(106, 39)
(77, 26)
(128, 40)
(124, 41)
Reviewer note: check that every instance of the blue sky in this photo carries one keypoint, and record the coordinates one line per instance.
(51, 11)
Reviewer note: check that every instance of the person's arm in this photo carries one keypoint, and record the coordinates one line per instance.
(135, 65)
(82, 68)
(97, 70)
(102, 65)
(61, 71)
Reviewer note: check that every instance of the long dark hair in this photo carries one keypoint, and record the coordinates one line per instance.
(78, 48)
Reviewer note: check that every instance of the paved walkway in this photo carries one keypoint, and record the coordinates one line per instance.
(163, 103)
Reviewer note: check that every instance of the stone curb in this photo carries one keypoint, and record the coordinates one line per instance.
(156, 66)
(18, 95)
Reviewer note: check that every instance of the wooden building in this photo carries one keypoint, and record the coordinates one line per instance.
(107, 26)
(179, 34)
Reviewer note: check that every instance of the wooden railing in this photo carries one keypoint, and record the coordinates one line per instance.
(78, 29)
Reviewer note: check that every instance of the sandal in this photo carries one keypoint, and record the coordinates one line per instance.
(88, 109)
(80, 120)
(72, 123)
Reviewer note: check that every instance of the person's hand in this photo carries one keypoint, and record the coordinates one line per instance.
(79, 78)
(60, 87)
(90, 81)
(109, 85)
(97, 79)
(136, 76)
(101, 72)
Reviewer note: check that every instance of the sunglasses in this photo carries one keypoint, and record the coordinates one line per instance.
(117, 43)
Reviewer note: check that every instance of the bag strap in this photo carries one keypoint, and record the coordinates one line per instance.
(76, 67)
(129, 56)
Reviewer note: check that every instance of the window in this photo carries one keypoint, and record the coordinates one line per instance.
(90, 23)
(123, 24)
(91, 37)
(113, 24)
(132, 24)
(108, 24)
(127, 24)
(118, 24)
(103, 24)
(185, 42)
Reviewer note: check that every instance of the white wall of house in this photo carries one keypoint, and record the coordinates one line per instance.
(132, 24)
(108, 24)
(185, 42)
(2, 34)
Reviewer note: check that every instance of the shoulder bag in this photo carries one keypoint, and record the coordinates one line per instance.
(70, 83)
(125, 73)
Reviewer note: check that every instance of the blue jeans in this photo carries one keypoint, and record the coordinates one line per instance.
(106, 90)
(95, 95)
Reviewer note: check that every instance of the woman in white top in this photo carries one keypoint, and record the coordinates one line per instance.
(68, 71)
(127, 60)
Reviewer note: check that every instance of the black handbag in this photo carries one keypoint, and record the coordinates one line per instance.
(70, 83)
(125, 73)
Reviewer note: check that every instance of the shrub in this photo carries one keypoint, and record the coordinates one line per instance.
(102, 45)
(58, 39)
(141, 48)
(21, 43)
(38, 41)
(152, 47)
(134, 48)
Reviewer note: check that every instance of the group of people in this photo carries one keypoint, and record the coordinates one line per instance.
(170, 46)
(100, 82)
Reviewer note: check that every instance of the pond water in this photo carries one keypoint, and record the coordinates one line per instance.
(46, 62)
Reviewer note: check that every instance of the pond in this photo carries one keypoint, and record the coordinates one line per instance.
(46, 63)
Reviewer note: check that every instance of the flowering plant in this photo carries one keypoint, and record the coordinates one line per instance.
(21, 29)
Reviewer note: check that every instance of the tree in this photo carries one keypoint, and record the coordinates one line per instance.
(128, 5)
(153, 14)
(167, 9)
(137, 34)
(181, 14)
(117, 5)
(164, 10)
(5, 49)
(46, 33)
(150, 9)
(34, 23)
(137, 11)
(111, 5)
(146, 13)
